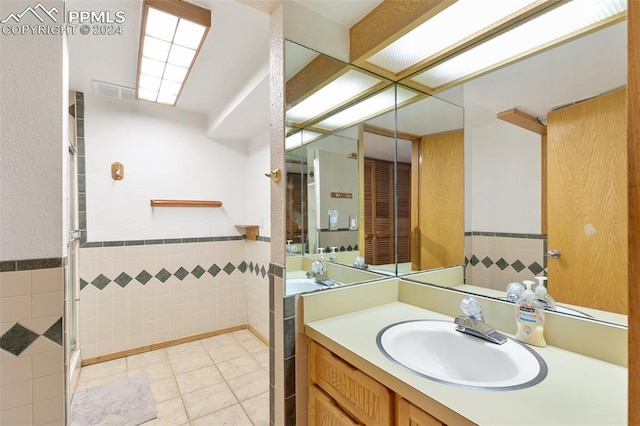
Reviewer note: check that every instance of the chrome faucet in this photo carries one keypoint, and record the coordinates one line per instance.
(319, 271)
(474, 324)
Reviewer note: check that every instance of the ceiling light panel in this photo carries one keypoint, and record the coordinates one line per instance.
(560, 23)
(300, 138)
(454, 24)
(343, 89)
(368, 108)
(173, 32)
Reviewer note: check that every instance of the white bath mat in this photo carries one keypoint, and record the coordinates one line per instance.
(127, 402)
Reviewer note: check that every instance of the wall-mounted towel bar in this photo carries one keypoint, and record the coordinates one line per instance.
(185, 203)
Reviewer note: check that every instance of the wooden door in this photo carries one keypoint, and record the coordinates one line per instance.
(378, 227)
(296, 218)
(440, 193)
(403, 226)
(587, 203)
(379, 224)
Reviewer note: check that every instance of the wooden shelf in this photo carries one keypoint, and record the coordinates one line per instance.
(185, 203)
(251, 231)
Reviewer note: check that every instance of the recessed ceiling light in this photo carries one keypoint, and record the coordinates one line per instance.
(173, 33)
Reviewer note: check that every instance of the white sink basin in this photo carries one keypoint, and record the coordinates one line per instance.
(301, 285)
(435, 350)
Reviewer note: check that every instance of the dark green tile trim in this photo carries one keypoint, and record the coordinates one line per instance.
(113, 244)
(277, 270)
(94, 244)
(31, 264)
(289, 306)
(290, 411)
(8, 266)
(289, 329)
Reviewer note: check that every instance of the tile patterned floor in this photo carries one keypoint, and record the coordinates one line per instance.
(220, 380)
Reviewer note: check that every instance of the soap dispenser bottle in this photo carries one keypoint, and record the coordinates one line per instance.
(543, 296)
(530, 318)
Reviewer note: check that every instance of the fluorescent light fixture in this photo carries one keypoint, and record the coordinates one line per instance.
(172, 34)
(370, 107)
(296, 140)
(340, 91)
(558, 24)
(453, 25)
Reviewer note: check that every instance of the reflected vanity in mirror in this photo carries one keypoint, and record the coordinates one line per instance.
(515, 201)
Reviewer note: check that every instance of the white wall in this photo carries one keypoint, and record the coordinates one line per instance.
(503, 177)
(257, 185)
(166, 155)
(32, 112)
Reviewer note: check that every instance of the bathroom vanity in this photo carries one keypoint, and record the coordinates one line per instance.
(352, 382)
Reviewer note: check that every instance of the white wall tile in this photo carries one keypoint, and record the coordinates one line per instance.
(45, 364)
(47, 280)
(46, 304)
(16, 283)
(16, 416)
(39, 346)
(15, 395)
(15, 370)
(48, 411)
(14, 309)
(47, 387)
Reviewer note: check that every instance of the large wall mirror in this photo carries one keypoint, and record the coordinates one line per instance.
(539, 147)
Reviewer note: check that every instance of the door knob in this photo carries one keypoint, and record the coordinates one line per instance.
(554, 254)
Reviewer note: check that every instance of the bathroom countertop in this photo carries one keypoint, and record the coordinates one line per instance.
(578, 390)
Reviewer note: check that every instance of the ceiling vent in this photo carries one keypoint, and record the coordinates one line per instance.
(109, 90)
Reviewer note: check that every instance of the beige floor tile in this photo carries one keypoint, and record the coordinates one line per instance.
(154, 372)
(258, 409)
(263, 358)
(227, 352)
(231, 416)
(242, 335)
(253, 345)
(198, 379)
(188, 385)
(171, 413)
(165, 389)
(190, 362)
(207, 400)
(158, 356)
(185, 349)
(219, 340)
(238, 367)
(249, 385)
(103, 369)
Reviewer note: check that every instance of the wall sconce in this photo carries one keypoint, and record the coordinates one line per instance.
(117, 171)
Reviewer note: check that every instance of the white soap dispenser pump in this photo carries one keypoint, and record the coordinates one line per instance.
(543, 295)
(530, 318)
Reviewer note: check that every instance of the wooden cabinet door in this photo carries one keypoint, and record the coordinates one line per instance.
(323, 410)
(410, 415)
(587, 203)
(363, 397)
